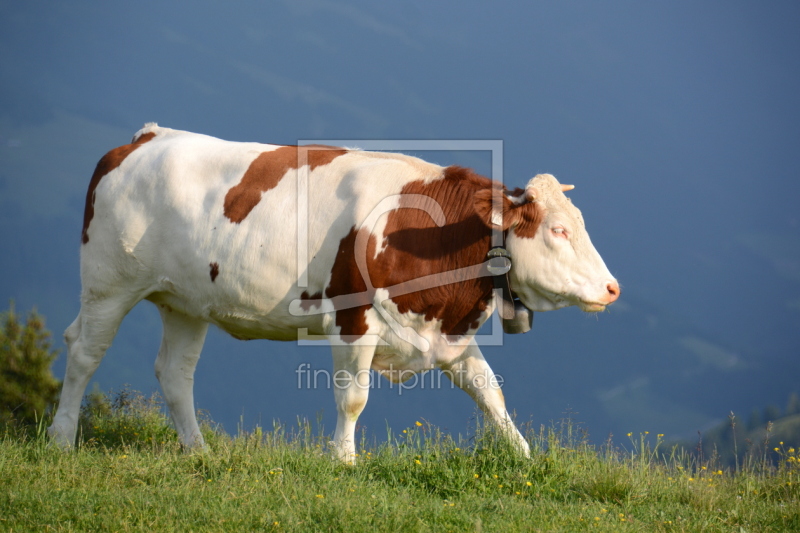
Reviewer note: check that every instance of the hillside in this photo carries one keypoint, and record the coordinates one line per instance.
(764, 434)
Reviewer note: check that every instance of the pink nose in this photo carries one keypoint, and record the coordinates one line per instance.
(613, 292)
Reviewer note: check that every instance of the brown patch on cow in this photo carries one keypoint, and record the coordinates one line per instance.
(307, 305)
(530, 216)
(214, 271)
(266, 171)
(107, 163)
(415, 247)
(345, 279)
(523, 218)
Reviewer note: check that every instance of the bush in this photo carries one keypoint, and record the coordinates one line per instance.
(27, 386)
(124, 418)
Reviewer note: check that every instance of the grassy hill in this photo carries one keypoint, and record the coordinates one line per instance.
(130, 474)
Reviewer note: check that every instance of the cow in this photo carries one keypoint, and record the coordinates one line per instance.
(386, 255)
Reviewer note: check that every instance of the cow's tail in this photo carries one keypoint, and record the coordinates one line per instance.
(149, 127)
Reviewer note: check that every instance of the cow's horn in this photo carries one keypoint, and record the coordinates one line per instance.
(565, 188)
(530, 194)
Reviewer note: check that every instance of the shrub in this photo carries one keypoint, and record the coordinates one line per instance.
(124, 418)
(27, 386)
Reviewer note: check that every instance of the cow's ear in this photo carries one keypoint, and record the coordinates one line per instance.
(495, 209)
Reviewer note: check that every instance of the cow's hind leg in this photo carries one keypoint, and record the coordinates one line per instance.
(473, 375)
(88, 338)
(351, 382)
(181, 344)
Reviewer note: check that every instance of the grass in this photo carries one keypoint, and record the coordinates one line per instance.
(129, 474)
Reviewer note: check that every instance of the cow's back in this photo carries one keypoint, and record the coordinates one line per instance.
(210, 227)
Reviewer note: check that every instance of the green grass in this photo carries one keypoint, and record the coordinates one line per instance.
(130, 474)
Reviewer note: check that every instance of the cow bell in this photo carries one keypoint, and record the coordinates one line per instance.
(521, 322)
(516, 318)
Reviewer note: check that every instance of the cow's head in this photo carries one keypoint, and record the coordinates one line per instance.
(554, 263)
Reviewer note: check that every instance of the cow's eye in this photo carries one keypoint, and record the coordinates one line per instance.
(559, 231)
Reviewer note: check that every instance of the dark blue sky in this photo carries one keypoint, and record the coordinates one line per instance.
(678, 122)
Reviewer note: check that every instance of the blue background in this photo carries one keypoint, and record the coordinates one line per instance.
(678, 122)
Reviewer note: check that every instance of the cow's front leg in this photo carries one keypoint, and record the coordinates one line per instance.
(473, 375)
(351, 381)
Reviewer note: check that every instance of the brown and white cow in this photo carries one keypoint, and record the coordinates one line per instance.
(390, 264)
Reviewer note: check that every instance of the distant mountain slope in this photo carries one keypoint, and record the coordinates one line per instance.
(768, 435)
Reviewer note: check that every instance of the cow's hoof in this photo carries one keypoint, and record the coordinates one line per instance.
(59, 438)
